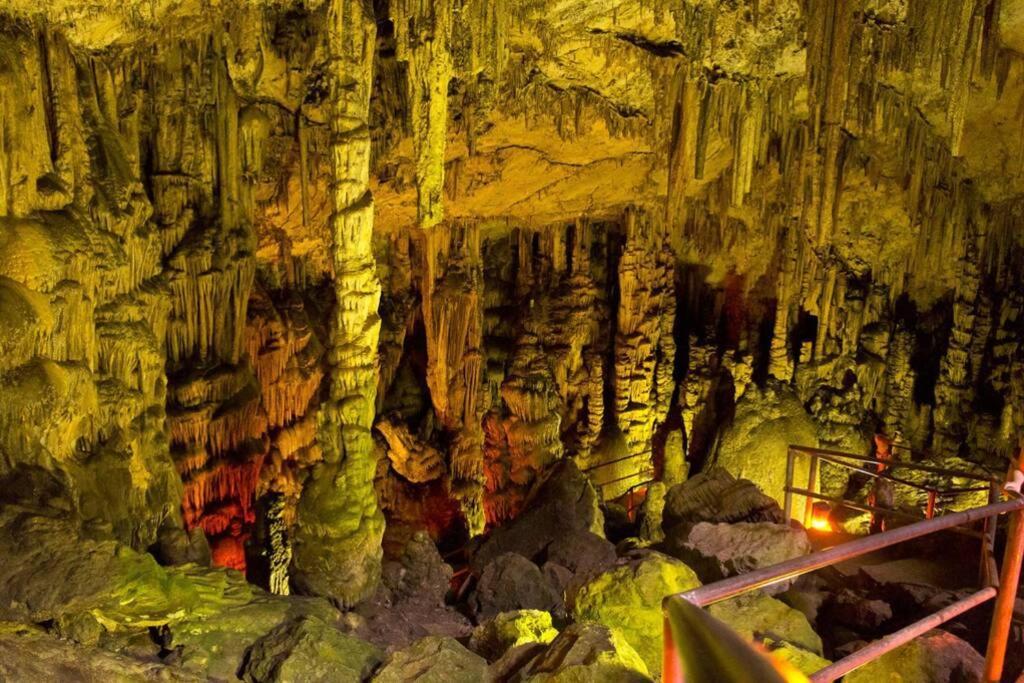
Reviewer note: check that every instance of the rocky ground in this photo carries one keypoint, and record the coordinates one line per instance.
(563, 593)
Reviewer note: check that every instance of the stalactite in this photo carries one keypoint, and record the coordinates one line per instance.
(953, 390)
(831, 35)
(682, 146)
(424, 34)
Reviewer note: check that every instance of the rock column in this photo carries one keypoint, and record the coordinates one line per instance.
(337, 550)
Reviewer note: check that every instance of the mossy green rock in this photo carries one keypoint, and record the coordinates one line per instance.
(308, 650)
(511, 629)
(936, 657)
(434, 659)
(780, 627)
(802, 660)
(754, 446)
(587, 653)
(215, 645)
(28, 653)
(628, 598)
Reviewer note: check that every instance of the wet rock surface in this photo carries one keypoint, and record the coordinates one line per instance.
(718, 551)
(563, 503)
(433, 659)
(511, 582)
(936, 656)
(586, 651)
(309, 650)
(628, 596)
(718, 496)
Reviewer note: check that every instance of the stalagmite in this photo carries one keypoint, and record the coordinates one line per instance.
(337, 542)
(645, 312)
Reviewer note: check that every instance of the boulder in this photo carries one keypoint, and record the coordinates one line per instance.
(507, 630)
(587, 652)
(581, 552)
(717, 551)
(628, 597)
(562, 501)
(863, 615)
(434, 659)
(617, 523)
(936, 657)
(756, 613)
(806, 600)
(176, 546)
(780, 628)
(512, 582)
(27, 653)
(411, 602)
(419, 573)
(560, 577)
(717, 496)
(307, 649)
(755, 443)
(216, 645)
(651, 513)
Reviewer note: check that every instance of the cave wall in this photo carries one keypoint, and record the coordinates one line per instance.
(277, 271)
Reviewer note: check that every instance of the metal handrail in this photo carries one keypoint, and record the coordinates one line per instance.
(841, 458)
(810, 450)
(609, 463)
(790, 569)
(884, 464)
(1004, 592)
(864, 507)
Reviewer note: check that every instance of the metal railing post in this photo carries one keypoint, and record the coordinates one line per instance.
(812, 486)
(788, 508)
(671, 666)
(1002, 614)
(988, 572)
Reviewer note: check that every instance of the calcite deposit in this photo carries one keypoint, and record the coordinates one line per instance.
(292, 289)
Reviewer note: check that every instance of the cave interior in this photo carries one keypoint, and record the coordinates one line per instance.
(352, 340)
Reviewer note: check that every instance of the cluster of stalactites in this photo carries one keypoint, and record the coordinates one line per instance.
(452, 296)
(552, 392)
(644, 347)
(84, 307)
(439, 42)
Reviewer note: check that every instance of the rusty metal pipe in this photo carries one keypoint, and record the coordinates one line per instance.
(864, 507)
(788, 503)
(999, 632)
(893, 464)
(783, 571)
(890, 642)
(812, 486)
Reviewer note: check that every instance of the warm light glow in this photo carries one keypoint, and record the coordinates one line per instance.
(820, 517)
